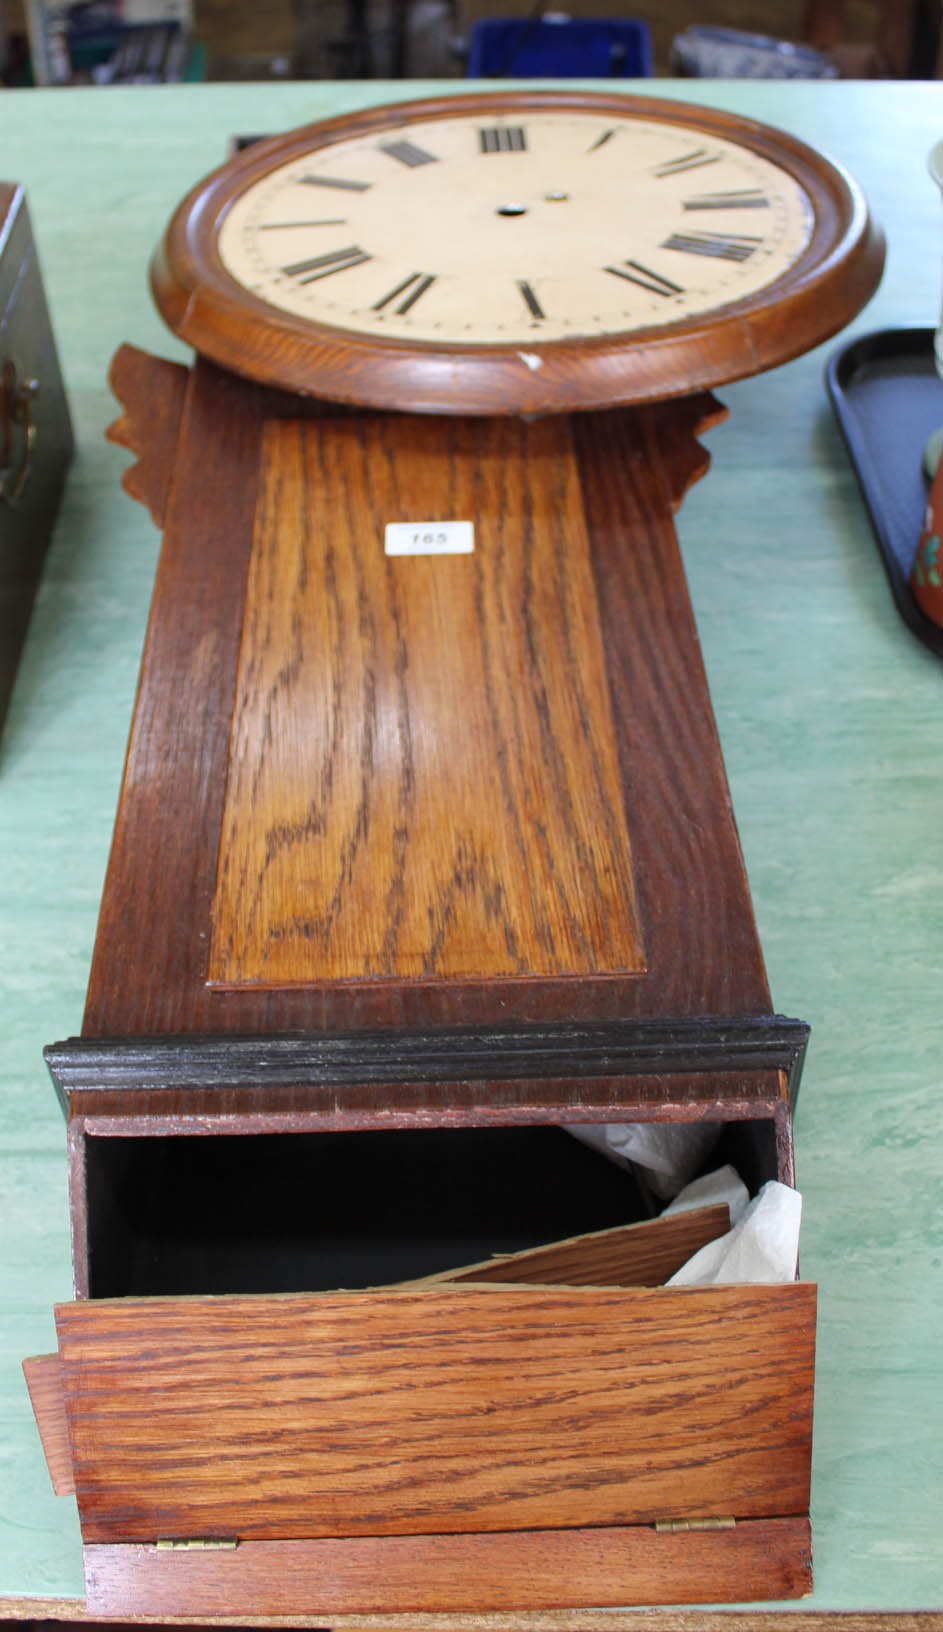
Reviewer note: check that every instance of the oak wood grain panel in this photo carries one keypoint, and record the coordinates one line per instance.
(43, 1376)
(423, 779)
(149, 970)
(643, 1254)
(761, 1559)
(447, 1410)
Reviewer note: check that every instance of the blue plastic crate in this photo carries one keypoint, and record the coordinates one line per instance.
(560, 48)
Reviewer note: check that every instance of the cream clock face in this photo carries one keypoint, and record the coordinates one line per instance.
(516, 252)
(486, 228)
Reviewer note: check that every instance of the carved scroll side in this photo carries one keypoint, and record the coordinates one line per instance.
(672, 430)
(151, 392)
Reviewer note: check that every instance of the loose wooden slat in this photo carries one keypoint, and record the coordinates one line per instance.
(449, 1409)
(422, 778)
(643, 1254)
(505, 1571)
(43, 1376)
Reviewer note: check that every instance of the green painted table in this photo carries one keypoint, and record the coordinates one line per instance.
(831, 715)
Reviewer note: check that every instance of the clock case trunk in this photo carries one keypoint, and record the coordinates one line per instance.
(427, 1098)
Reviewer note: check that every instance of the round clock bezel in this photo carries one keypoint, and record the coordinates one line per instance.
(816, 296)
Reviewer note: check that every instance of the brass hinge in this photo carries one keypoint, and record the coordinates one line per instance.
(203, 1544)
(672, 1527)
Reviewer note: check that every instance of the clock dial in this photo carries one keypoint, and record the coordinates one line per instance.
(517, 252)
(484, 231)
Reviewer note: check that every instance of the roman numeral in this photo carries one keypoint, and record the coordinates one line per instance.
(694, 160)
(502, 139)
(749, 198)
(530, 299)
(645, 278)
(324, 266)
(407, 153)
(412, 288)
(717, 245)
(336, 181)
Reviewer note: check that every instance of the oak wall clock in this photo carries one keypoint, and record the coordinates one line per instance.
(516, 253)
(424, 854)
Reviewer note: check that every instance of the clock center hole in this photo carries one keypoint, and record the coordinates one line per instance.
(521, 209)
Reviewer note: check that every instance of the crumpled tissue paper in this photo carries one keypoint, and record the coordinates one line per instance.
(761, 1248)
(662, 1154)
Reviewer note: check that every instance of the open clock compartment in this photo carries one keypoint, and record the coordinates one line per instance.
(307, 1212)
(202, 1201)
(184, 1214)
(551, 1429)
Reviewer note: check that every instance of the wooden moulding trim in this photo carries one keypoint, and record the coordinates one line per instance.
(837, 273)
(300, 1108)
(197, 1112)
(511, 1570)
(391, 1059)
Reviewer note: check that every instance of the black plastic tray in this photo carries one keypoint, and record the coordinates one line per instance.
(888, 397)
